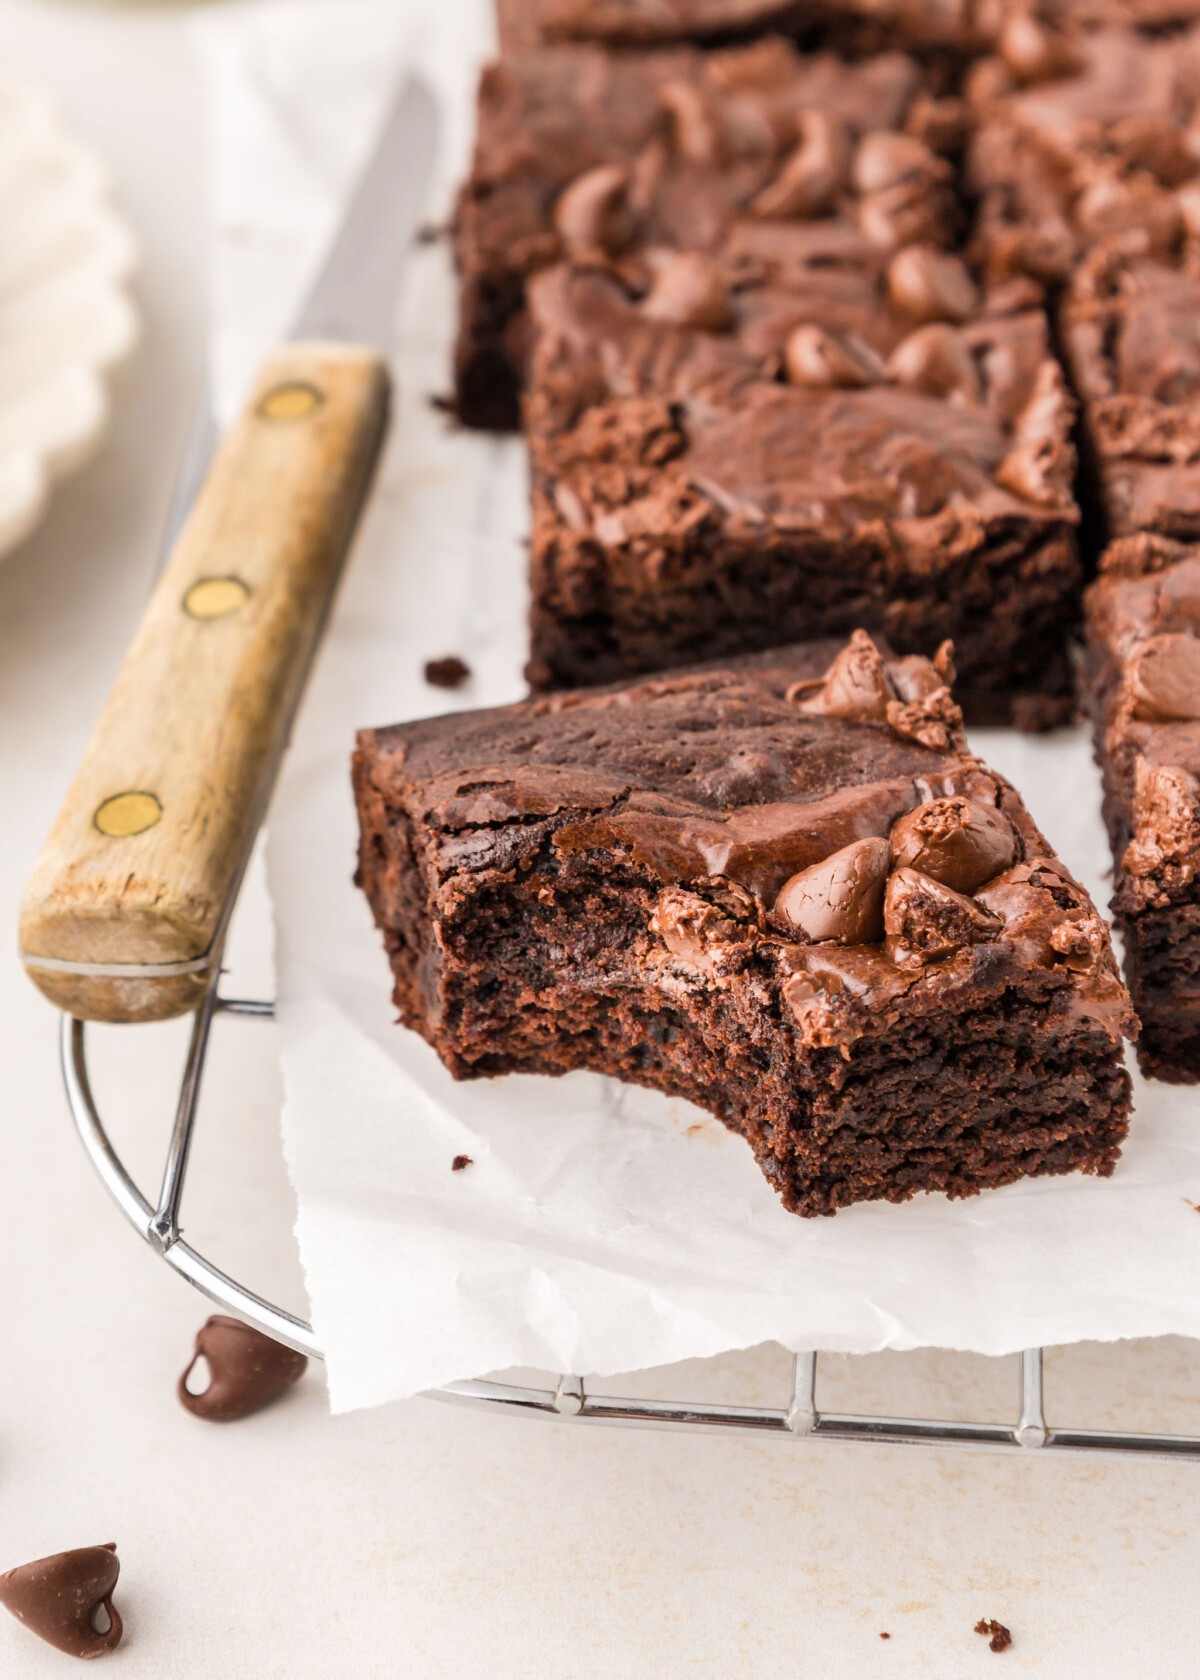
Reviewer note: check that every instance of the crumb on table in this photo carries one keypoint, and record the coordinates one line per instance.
(450, 672)
(459, 1162)
(999, 1637)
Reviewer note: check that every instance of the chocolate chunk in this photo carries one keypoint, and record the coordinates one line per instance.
(460, 1162)
(926, 922)
(58, 1598)
(702, 935)
(840, 898)
(450, 672)
(997, 1635)
(959, 842)
(247, 1370)
(1164, 678)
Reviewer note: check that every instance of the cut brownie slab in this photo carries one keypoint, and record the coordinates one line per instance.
(1143, 638)
(861, 445)
(1093, 146)
(582, 152)
(782, 888)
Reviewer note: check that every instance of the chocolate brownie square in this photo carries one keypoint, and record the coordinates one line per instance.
(782, 888)
(581, 152)
(1143, 665)
(1094, 146)
(830, 433)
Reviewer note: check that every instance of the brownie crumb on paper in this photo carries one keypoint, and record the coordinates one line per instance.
(997, 1635)
(450, 672)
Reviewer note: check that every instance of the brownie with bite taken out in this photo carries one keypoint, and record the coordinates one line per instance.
(781, 887)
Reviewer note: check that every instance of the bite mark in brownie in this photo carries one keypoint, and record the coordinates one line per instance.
(1143, 638)
(782, 888)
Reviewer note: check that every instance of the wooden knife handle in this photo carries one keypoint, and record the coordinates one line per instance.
(148, 848)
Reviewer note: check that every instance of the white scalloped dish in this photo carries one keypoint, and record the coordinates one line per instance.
(65, 314)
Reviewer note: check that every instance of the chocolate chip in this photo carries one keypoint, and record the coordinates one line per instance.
(931, 286)
(998, 1636)
(460, 1162)
(814, 173)
(692, 128)
(840, 898)
(883, 159)
(450, 672)
(959, 842)
(688, 291)
(58, 1597)
(592, 214)
(926, 922)
(1033, 52)
(1163, 677)
(1133, 211)
(247, 1370)
(936, 359)
(813, 356)
(855, 687)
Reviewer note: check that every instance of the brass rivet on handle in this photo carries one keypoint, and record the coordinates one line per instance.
(215, 597)
(294, 400)
(128, 813)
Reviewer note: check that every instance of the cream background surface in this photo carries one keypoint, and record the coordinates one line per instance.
(416, 1540)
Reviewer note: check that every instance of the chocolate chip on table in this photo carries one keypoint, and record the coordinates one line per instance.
(998, 1636)
(450, 672)
(247, 1370)
(58, 1598)
(461, 1161)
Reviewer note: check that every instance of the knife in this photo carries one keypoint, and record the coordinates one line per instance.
(125, 914)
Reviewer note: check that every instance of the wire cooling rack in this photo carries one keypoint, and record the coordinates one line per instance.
(798, 1419)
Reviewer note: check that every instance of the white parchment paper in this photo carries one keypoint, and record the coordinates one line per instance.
(600, 1228)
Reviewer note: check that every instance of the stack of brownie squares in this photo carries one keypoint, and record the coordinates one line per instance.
(1089, 180)
(851, 338)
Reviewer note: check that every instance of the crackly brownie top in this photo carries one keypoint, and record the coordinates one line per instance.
(583, 152)
(1144, 615)
(818, 821)
(818, 407)
(1095, 142)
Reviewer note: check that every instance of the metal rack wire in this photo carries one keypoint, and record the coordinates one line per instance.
(158, 1225)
